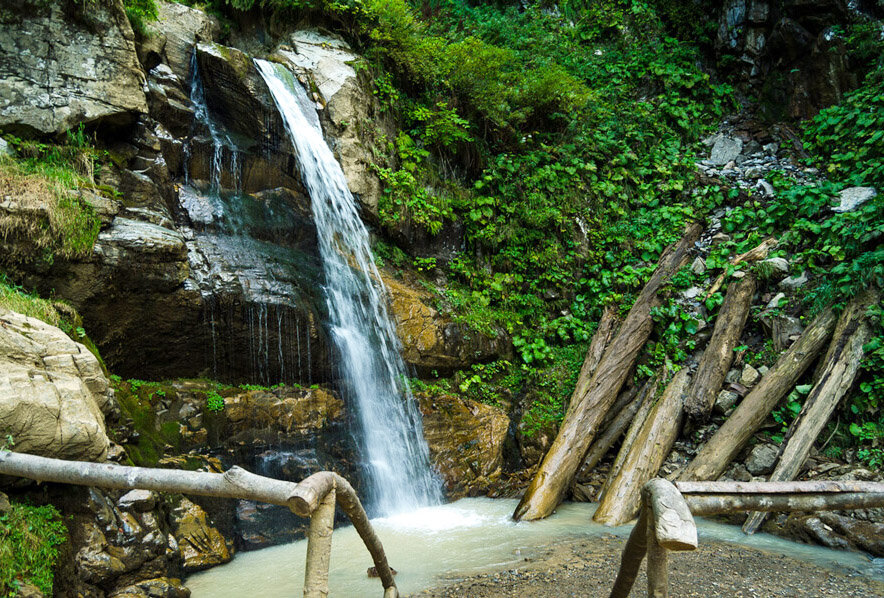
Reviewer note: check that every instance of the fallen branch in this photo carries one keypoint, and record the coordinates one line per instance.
(591, 402)
(753, 255)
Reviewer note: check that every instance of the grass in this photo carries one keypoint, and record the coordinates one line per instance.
(29, 540)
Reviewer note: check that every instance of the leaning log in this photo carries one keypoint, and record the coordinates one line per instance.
(614, 429)
(600, 341)
(753, 255)
(719, 353)
(591, 401)
(844, 357)
(724, 445)
(648, 398)
(622, 499)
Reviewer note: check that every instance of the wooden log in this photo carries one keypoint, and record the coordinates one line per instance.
(589, 406)
(812, 486)
(615, 429)
(713, 458)
(658, 433)
(719, 353)
(633, 555)
(844, 357)
(302, 498)
(716, 504)
(753, 255)
(658, 565)
(673, 524)
(600, 340)
(648, 398)
(319, 539)
(624, 400)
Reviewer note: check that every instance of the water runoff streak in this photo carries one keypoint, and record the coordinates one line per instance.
(391, 437)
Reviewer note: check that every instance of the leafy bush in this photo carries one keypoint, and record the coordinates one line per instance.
(29, 540)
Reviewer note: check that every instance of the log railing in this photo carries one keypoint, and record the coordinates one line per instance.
(666, 522)
(314, 497)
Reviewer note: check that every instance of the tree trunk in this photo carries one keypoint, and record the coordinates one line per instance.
(600, 341)
(648, 396)
(715, 455)
(658, 433)
(590, 402)
(719, 353)
(844, 357)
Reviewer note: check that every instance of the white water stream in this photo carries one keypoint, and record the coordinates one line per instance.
(463, 538)
(391, 439)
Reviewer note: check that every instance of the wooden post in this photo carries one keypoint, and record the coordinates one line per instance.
(633, 555)
(658, 565)
(319, 542)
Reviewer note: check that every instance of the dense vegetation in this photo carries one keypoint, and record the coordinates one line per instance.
(29, 540)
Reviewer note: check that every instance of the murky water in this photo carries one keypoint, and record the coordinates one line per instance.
(462, 538)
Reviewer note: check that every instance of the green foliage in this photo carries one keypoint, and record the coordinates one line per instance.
(138, 400)
(29, 540)
(791, 407)
(214, 401)
(140, 12)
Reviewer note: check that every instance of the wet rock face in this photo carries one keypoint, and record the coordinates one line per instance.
(53, 392)
(430, 340)
(791, 52)
(201, 544)
(61, 65)
(466, 442)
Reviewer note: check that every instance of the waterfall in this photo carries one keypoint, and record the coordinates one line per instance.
(391, 438)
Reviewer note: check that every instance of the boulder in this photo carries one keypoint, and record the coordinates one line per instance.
(430, 340)
(794, 282)
(53, 392)
(326, 60)
(465, 439)
(182, 26)
(865, 535)
(853, 197)
(67, 63)
(283, 414)
(725, 150)
(762, 458)
(201, 544)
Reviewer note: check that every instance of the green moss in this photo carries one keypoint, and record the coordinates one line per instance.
(29, 540)
(138, 400)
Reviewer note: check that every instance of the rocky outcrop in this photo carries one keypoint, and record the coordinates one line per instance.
(180, 26)
(430, 340)
(465, 439)
(201, 544)
(62, 64)
(53, 392)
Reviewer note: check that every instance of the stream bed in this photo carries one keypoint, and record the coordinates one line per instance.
(463, 538)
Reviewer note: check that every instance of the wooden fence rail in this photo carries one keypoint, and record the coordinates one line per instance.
(313, 497)
(666, 522)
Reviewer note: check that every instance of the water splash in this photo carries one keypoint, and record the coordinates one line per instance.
(374, 374)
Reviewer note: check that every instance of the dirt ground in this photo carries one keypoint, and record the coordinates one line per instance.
(586, 568)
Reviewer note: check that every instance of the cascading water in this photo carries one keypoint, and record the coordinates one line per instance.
(374, 374)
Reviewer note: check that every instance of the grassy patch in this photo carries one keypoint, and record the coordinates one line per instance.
(29, 540)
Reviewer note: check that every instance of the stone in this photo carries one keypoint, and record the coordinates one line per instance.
(719, 238)
(692, 293)
(749, 377)
(88, 68)
(201, 544)
(6, 149)
(138, 500)
(766, 188)
(725, 400)
(294, 413)
(783, 329)
(430, 340)
(865, 535)
(725, 150)
(762, 458)
(776, 302)
(26, 590)
(698, 267)
(53, 391)
(779, 265)
(465, 439)
(771, 148)
(794, 282)
(158, 587)
(5, 506)
(733, 376)
(763, 370)
(853, 197)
